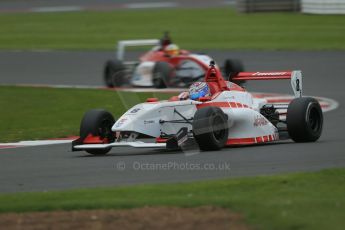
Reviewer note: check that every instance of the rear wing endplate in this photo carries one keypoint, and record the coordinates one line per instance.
(121, 45)
(294, 76)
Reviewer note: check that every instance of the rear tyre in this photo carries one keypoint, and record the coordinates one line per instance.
(210, 128)
(114, 73)
(98, 122)
(304, 119)
(162, 73)
(231, 67)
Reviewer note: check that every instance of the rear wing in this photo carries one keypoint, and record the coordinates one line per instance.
(121, 45)
(294, 76)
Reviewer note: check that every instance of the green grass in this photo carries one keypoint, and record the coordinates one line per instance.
(191, 28)
(293, 201)
(39, 113)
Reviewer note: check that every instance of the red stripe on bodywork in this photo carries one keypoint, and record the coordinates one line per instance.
(233, 105)
(241, 141)
(216, 104)
(283, 100)
(258, 139)
(161, 140)
(250, 140)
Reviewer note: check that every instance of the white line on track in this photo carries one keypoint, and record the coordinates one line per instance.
(36, 143)
(47, 9)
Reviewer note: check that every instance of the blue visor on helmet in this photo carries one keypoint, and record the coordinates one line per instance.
(201, 93)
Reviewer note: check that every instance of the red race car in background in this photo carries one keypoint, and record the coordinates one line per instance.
(165, 65)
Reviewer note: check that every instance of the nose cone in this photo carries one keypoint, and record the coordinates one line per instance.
(142, 118)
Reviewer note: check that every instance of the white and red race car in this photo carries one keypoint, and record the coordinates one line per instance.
(158, 67)
(230, 116)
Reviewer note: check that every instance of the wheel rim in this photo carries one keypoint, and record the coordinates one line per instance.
(218, 129)
(314, 120)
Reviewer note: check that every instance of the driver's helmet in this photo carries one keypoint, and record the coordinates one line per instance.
(172, 50)
(198, 90)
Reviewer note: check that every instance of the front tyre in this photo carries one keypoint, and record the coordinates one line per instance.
(210, 128)
(114, 73)
(98, 122)
(304, 119)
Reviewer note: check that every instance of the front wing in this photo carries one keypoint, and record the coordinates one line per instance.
(135, 144)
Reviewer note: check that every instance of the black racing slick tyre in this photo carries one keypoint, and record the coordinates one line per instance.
(210, 128)
(304, 119)
(98, 122)
(162, 72)
(114, 73)
(231, 67)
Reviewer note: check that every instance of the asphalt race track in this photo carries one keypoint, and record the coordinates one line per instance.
(55, 167)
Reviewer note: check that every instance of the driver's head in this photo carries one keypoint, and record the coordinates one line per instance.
(198, 90)
(172, 50)
(165, 40)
